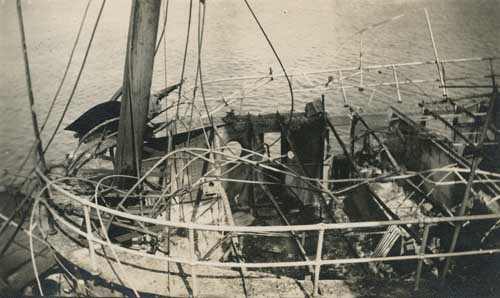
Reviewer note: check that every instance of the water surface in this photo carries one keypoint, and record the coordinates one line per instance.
(308, 35)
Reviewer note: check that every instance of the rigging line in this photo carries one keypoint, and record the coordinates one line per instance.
(277, 58)
(165, 45)
(47, 116)
(202, 88)
(162, 34)
(37, 144)
(183, 69)
(184, 59)
(187, 175)
(67, 65)
(78, 77)
(201, 32)
(210, 142)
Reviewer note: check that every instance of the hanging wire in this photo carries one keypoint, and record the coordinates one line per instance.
(163, 33)
(292, 100)
(183, 69)
(201, 27)
(167, 2)
(87, 51)
(68, 64)
(54, 99)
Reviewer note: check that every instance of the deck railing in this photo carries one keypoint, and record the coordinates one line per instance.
(320, 228)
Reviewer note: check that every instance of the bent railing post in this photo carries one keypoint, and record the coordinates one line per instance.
(317, 265)
(341, 80)
(396, 81)
(421, 253)
(193, 261)
(192, 254)
(88, 227)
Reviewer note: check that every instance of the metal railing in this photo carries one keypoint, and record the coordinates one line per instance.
(321, 228)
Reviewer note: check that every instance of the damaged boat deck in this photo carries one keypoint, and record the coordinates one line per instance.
(251, 200)
(288, 203)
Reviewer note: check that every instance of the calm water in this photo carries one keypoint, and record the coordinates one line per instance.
(308, 34)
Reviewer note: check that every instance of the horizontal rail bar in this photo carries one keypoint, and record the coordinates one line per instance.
(279, 264)
(349, 260)
(312, 227)
(345, 87)
(354, 68)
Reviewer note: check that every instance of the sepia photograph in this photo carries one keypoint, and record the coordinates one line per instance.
(250, 148)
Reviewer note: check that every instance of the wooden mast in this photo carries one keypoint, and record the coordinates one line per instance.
(137, 79)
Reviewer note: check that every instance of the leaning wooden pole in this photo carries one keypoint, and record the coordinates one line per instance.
(39, 157)
(136, 87)
(36, 130)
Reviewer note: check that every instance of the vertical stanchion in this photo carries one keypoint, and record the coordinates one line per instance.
(326, 153)
(230, 219)
(325, 163)
(361, 86)
(93, 261)
(341, 80)
(317, 266)
(438, 64)
(395, 74)
(194, 285)
(421, 253)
